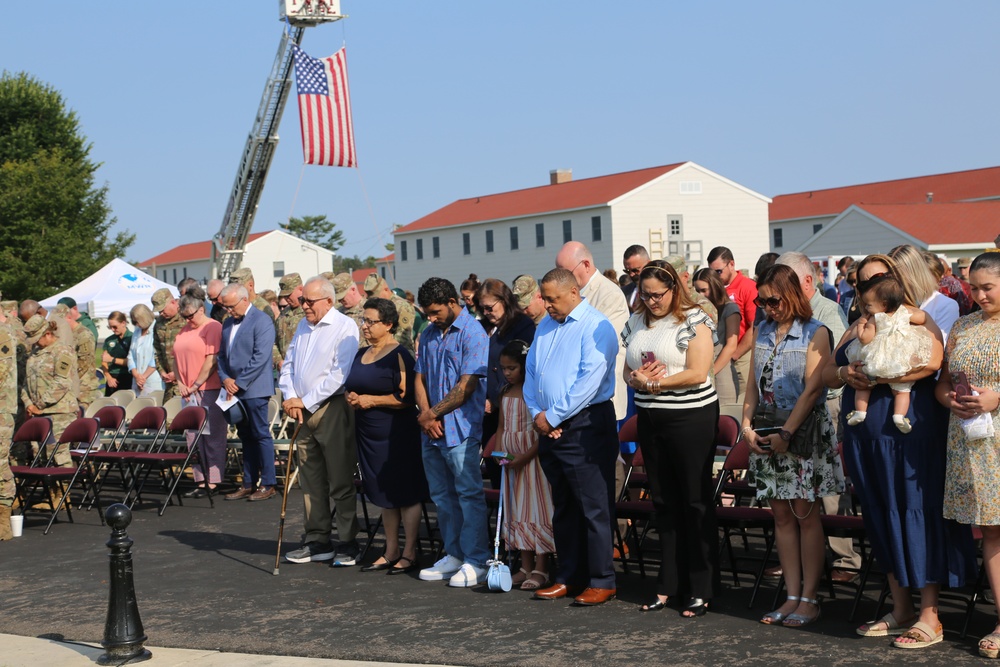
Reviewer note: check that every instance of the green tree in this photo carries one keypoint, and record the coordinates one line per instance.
(315, 229)
(348, 264)
(54, 222)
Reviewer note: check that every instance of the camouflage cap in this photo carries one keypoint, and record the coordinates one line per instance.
(525, 289)
(964, 262)
(8, 306)
(61, 310)
(241, 276)
(34, 328)
(329, 275)
(678, 262)
(342, 283)
(373, 284)
(160, 299)
(288, 283)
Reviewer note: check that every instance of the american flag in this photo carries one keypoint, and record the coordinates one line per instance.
(324, 109)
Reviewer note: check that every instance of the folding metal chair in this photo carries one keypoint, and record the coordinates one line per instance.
(102, 402)
(123, 397)
(33, 430)
(174, 456)
(143, 432)
(173, 407)
(157, 396)
(138, 405)
(54, 480)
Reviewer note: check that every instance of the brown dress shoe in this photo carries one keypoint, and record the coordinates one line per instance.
(239, 495)
(555, 592)
(594, 596)
(263, 493)
(843, 576)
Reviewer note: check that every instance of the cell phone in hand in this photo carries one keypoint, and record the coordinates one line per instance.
(960, 382)
(763, 432)
(647, 358)
(502, 455)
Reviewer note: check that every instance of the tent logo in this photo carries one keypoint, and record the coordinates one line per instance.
(135, 282)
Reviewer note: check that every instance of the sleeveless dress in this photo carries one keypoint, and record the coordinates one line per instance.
(972, 480)
(897, 348)
(392, 469)
(900, 481)
(528, 501)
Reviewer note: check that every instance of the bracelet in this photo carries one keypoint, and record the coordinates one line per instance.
(649, 386)
(842, 376)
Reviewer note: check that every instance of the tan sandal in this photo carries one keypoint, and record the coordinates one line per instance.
(892, 627)
(519, 577)
(992, 638)
(922, 635)
(532, 584)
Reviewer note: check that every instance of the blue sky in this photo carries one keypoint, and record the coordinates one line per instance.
(458, 99)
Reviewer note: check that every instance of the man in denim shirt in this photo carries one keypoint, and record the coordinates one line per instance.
(452, 401)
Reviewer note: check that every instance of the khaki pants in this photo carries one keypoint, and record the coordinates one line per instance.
(328, 460)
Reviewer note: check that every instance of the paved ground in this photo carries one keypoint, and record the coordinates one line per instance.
(204, 581)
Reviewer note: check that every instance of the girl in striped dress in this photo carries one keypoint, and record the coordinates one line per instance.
(528, 499)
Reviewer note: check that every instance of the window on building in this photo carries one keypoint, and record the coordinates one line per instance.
(175, 275)
(675, 226)
(690, 187)
(164, 275)
(777, 238)
(185, 270)
(513, 238)
(436, 246)
(489, 240)
(279, 269)
(539, 234)
(420, 249)
(383, 272)
(402, 251)
(466, 243)
(567, 231)
(817, 227)
(595, 228)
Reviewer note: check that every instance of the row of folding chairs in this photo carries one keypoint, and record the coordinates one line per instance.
(147, 454)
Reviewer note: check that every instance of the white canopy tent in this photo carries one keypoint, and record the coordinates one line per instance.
(117, 286)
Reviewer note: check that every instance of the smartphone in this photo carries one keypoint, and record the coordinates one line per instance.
(647, 358)
(960, 382)
(503, 455)
(763, 432)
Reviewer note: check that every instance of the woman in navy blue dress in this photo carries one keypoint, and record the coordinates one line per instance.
(900, 481)
(380, 389)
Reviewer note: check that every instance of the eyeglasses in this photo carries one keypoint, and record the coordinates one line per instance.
(190, 316)
(232, 306)
(488, 308)
(313, 302)
(369, 323)
(863, 285)
(632, 272)
(653, 296)
(771, 302)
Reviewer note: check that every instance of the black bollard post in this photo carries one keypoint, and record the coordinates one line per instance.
(123, 633)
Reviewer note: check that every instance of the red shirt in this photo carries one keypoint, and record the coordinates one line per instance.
(743, 291)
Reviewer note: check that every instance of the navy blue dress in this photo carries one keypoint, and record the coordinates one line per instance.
(392, 469)
(900, 481)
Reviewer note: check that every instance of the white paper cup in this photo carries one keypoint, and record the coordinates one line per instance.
(16, 524)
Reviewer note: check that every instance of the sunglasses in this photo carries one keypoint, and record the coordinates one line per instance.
(863, 285)
(771, 302)
(487, 308)
(313, 302)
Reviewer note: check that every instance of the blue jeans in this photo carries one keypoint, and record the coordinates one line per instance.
(455, 482)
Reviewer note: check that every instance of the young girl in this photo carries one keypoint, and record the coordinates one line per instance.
(889, 347)
(528, 500)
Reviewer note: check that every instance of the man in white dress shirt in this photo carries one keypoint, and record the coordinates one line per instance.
(312, 381)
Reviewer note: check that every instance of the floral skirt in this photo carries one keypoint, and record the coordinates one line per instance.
(787, 476)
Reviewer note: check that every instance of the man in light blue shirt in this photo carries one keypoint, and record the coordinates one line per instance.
(452, 401)
(568, 386)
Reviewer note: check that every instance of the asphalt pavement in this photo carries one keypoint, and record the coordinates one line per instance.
(204, 581)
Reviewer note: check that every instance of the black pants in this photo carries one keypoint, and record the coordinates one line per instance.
(580, 466)
(678, 451)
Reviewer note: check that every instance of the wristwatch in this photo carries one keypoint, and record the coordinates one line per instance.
(785, 435)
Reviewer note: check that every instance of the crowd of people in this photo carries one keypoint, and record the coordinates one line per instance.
(894, 361)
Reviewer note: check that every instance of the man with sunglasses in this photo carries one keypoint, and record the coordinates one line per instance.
(633, 260)
(742, 291)
(245, 371)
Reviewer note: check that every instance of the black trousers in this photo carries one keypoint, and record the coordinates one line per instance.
(678, 448)
(580, 466)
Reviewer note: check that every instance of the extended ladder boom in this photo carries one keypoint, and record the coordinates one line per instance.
(230, 242)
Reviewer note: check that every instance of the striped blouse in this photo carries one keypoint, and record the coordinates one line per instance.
(668, 340)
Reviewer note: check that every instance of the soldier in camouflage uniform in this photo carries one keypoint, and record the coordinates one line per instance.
(377, 287)
(8, 410)
(288, 321)
(85, 347)
(245, 277)
(168, 324)
(350, 301)
(50, 384)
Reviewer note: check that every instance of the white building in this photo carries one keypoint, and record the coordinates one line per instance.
(674, 209)
(269, 255)
(953, 214)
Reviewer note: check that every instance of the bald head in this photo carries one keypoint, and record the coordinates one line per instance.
(578, 260)
(28, 308)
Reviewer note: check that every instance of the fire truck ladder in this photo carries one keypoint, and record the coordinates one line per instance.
(231, 240)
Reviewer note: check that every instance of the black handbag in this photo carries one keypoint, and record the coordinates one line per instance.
(805, 439)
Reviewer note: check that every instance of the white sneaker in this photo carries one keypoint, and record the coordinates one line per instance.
(467, 576)
(441, 570)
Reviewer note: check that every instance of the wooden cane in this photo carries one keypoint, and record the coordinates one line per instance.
(284, 496)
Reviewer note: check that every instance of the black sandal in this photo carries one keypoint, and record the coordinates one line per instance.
(655, 605)
(377, 567)
(413, 565)
(695, 607)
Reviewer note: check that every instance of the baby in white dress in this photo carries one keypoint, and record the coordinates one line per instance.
(890, 344)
